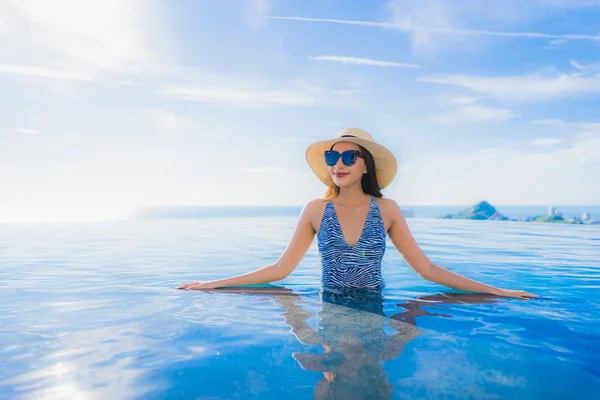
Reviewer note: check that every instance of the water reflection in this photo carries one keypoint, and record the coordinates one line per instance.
(352, 336)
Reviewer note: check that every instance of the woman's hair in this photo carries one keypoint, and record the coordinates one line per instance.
(368, 182)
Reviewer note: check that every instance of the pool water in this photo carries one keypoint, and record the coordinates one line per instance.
(90, 311)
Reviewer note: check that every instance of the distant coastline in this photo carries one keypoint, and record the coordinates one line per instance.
(485, 211)
(516, 213)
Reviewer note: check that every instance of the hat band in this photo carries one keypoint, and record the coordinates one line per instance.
(347, 136)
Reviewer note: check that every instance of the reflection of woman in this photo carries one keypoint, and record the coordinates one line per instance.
(352, 222)
(352, 333)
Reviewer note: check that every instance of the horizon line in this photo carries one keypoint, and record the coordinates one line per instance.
(403, 205)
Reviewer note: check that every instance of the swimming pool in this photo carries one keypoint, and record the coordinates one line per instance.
(89, 311)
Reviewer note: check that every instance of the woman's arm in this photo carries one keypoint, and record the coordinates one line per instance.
(404, 241)
(287, 262)
(295, 317)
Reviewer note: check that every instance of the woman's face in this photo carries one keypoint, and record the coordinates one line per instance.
(344, 175)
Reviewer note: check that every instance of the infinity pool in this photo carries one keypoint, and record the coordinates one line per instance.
(90, 311)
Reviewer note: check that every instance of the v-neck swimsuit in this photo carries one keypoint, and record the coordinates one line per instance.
(345, 266)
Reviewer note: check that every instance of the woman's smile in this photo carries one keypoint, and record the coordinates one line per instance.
(340, 174)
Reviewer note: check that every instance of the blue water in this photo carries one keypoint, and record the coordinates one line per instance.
(89, 311)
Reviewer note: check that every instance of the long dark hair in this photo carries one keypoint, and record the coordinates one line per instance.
(368, 182)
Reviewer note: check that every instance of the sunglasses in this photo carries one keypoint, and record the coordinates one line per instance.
(349, 157)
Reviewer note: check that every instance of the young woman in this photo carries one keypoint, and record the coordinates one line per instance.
(351, 224)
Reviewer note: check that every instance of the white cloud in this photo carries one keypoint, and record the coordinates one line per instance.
(425, 29)
(241, 97)
(475, 113)
(127, 83)
(180, 125)
(262, 6)
(263, 169)
(43, 72)
(588, 126)
(363, 61)
(556, 42)
(547, 141)
(456, 100)
(559, 123)
(466, 109)
(256, 11)
(421, 16)
(28, 131)
(170, 121)
(548, 122)
(115, 35)
(524, 88)
(559, 175)
(589, 68)
(577, 65)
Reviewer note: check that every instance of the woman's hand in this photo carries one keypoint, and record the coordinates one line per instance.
(519, 294)
(196, 286)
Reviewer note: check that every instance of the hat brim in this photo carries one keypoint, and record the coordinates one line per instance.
(386, 165)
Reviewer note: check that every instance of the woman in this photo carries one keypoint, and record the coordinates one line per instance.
(351, 224)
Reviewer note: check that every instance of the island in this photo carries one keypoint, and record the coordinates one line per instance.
(481, 210)
(485, 211)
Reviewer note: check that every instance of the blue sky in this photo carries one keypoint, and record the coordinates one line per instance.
(111, 105)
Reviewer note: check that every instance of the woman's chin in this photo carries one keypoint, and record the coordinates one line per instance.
(342, 182)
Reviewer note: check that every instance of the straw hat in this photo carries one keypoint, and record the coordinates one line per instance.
(385, 162)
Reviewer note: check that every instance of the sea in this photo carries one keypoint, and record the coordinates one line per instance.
(510, 211)
(89, 310)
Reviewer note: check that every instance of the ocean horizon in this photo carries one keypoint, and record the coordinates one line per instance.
(411, 211)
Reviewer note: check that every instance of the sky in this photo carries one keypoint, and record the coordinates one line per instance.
(116, 104)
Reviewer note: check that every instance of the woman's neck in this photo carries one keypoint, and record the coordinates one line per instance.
(352, 196)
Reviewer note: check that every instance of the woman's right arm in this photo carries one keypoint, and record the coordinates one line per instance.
(289, 259)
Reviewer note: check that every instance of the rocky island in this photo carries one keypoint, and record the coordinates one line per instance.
(485, 211)
(482, 210)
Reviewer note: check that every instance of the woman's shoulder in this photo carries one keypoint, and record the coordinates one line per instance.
(313, 211)
(389, 206)
(386, 202)
(315, 204)
(314, 207)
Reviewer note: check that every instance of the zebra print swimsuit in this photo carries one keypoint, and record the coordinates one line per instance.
(358, 266)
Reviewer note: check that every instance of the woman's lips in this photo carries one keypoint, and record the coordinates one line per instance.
(340, 175)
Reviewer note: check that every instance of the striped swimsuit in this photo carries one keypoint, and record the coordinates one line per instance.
(358, 266)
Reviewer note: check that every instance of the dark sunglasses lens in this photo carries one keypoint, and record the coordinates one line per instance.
(332, 157)
(349, 157)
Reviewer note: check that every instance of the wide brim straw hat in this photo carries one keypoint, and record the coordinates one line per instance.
(386, 165)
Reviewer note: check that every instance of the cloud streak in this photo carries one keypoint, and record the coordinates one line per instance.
(546, 142)
(467, 109)
(42, 72)
(263, 169)
(363, 61)
(456, 100)
(526, 88)
(408, 27)
(475, 113)
(239, 97)
(28, 131)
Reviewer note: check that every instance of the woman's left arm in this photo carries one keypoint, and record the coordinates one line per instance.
(404, 241)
